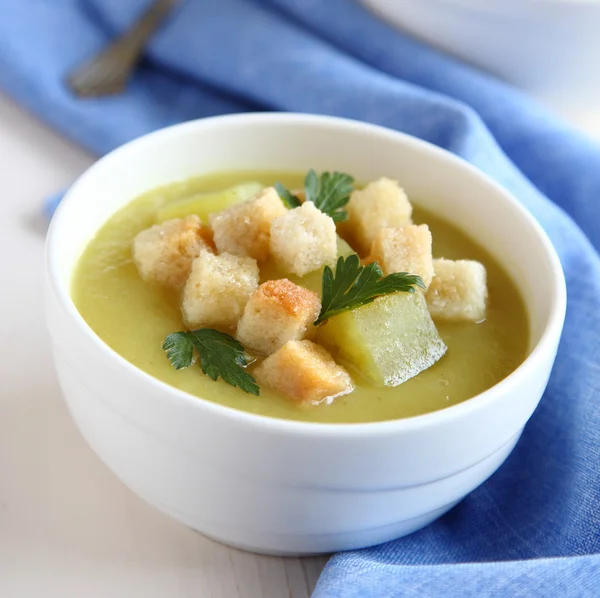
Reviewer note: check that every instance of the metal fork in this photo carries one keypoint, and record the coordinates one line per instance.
(107, 73)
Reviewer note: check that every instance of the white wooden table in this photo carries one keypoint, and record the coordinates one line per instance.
(68, 527)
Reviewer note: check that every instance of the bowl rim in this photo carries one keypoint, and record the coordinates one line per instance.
(537, 355)
(500, 8)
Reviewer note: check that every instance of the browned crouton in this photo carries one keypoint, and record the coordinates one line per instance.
(381, 204)
(304, 371)
(217, 290)
(303, 240)
(244, 228)
(458, 291)
(164, 252)
(278, 311)
(404, 249)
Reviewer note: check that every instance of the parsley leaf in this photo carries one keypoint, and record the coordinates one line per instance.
(354, 285)
(180, 350)
(291, 201)
(220, 356)
(330, 193)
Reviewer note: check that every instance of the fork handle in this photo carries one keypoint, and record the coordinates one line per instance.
(143, 29)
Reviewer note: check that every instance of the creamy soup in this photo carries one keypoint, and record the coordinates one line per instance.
(133, 317)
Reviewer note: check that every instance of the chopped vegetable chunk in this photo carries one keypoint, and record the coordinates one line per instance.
(458, 291)
(205, 204)
(381, 204)
(353, 285)
(405, 249)
(278, 311)
(217, 290)
(303, 240)
(244, 229)
(164, 252)
(304, 372)
(388, 341)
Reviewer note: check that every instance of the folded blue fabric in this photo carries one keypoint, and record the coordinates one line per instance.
(533, 529)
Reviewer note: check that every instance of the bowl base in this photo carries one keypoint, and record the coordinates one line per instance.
(332, 542)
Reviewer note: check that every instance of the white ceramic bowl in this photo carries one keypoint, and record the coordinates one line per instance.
(276, 486)
(549, 48)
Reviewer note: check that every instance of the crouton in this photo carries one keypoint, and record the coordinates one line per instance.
(304, 371)
(381, 204)
(458, 291)
(217, 290)
(404, 249)
(164, 252)
(303, 240)
(244, 228)
(278, 311)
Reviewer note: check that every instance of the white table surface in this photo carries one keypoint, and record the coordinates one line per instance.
(68, 527)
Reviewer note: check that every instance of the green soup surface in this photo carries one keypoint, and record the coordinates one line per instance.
(134, 317)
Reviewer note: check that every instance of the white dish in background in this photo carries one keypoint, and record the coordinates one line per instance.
(549, 48)
(276, 486)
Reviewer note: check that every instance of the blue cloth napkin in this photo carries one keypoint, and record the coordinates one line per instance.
(533, 529)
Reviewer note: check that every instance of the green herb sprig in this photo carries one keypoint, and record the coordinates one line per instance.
(289, 199)
(221, 356)
(354, 285)
(330, 193)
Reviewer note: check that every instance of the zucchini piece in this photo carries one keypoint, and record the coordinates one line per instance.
(204, 204)
(388, 341)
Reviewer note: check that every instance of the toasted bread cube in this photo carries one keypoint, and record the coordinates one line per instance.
(164, 252)
(458, 291)
(304, 371)
(313, 281)
(405, 249)
(278, 311)
(381, 204)
(244, 229)
(217, 290)
(303, 240)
